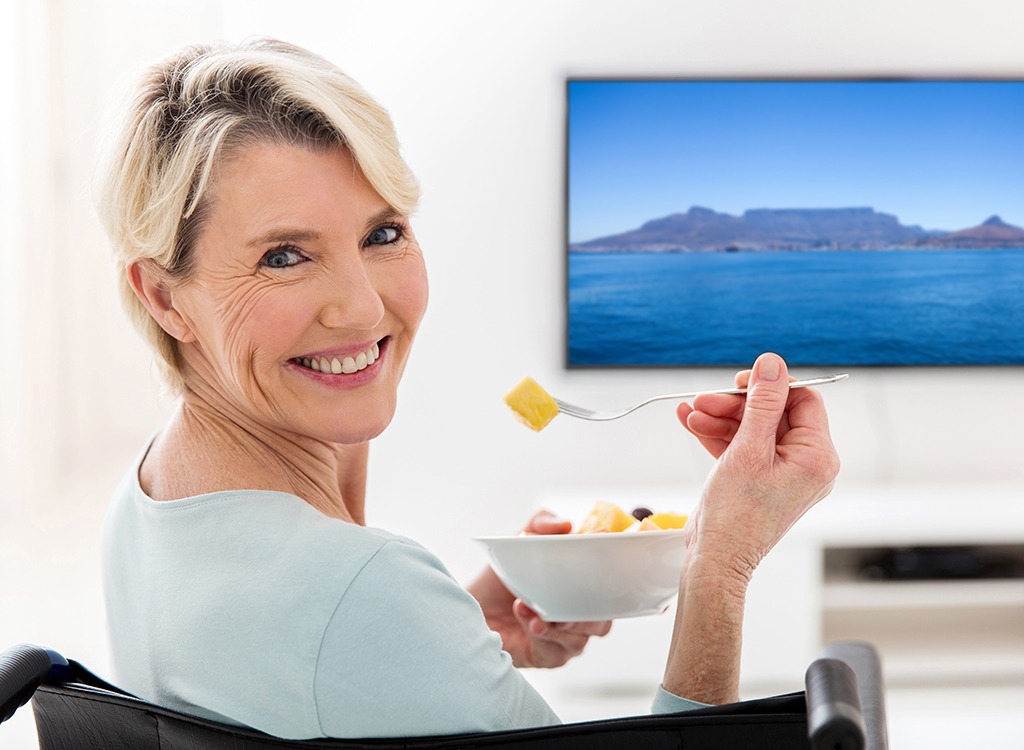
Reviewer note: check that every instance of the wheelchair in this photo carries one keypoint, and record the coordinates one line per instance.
(842, 708)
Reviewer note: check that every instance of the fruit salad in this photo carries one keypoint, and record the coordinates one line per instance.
(608, 517)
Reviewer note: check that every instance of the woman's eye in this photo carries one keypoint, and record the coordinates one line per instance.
(282, 257)
(383, 236)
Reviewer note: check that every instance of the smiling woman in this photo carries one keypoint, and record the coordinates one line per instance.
(259, 210)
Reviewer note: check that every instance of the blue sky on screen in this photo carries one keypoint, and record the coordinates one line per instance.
(940, 154)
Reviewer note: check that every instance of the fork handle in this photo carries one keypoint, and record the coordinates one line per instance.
(822, 380)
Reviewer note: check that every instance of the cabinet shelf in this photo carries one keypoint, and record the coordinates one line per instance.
(899, 595)
(951, 630)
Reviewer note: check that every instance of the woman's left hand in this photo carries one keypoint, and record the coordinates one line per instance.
(529, 640)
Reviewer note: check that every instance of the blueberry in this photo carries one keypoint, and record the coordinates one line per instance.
(641, 513)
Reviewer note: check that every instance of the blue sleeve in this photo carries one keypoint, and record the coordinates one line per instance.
(670, 703)
(408, 652)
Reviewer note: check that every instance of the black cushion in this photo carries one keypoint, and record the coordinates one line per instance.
(76, 717)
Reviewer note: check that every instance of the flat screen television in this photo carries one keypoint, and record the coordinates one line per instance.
(836, 222)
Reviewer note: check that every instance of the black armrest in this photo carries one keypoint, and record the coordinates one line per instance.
(834, 717)
(864, 660)
(22, 669)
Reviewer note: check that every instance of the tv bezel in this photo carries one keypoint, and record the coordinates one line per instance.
(736, 78)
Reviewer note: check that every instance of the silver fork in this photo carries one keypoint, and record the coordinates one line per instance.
(603, 416)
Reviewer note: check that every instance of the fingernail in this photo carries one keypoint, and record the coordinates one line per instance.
(768, 369)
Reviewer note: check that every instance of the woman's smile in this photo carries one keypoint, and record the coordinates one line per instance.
(341, 368)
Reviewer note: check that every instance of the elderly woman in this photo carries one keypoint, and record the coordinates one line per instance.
(259, 210)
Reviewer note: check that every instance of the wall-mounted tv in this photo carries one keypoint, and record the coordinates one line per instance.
(836, 222)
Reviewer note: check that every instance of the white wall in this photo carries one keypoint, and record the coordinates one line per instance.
(76, 379)
(476, 90)
(12, 422)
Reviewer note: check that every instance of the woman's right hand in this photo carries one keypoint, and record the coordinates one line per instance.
(775, 461)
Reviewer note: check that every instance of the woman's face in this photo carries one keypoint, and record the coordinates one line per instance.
(307, 292)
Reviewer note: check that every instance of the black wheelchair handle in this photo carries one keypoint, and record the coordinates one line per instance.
(23, 668)
(867, 664)
(834, 717)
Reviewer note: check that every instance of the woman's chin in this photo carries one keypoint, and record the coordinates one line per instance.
(352, 428)
(354, 438)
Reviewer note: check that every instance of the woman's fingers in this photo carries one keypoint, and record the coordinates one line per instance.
(598, 628)
(713, 420)
(538, 626)
(546, 522)
(705, 426)
(725, 405)
(553, 644)
(688, 417)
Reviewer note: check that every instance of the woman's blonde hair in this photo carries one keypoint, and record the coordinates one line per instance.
(198, 107)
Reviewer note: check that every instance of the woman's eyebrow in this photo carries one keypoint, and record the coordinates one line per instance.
(289, 234)
(385, 214)
(284, 234)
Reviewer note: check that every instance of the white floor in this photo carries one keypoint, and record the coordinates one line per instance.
(51, 596)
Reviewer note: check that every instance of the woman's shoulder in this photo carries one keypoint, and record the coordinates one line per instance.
(183, 463)
(247, 516)
(243, 521)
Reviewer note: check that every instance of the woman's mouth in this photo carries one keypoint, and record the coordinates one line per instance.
(340, 365)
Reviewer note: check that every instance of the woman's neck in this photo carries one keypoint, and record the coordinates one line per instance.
(207, 448)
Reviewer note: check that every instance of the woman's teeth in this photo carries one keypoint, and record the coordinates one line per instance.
(346, 365)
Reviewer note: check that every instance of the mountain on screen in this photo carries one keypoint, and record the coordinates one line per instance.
(704, 230)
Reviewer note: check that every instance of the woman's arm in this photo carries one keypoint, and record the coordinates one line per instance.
(775, 461)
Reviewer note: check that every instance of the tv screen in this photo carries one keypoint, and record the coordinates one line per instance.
(836, 222)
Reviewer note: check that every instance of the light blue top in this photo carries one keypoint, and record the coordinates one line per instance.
(253, 608)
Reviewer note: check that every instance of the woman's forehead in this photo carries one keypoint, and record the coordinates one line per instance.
(271, 183)
(263, 161)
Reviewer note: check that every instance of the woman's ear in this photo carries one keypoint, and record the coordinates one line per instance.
(148, 284)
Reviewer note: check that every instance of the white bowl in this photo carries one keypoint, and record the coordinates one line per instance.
(585, 577)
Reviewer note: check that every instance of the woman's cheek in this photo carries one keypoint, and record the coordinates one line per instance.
(414, 292)
(259, 326)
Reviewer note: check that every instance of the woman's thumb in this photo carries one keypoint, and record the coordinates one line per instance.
(546, 522)
(767, 393)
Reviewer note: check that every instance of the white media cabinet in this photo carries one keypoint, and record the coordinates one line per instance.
(808, 591)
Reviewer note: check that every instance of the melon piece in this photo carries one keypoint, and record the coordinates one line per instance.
(667, 520)
(606, 517)
(647, 525)
(531, 404)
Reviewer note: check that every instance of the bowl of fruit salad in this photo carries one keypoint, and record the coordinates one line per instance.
(613, 565)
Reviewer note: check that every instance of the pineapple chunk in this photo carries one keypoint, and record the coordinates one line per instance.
(667, 520)
(606, 517)
(531, 404)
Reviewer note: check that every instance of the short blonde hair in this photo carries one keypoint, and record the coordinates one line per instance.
(196, 108)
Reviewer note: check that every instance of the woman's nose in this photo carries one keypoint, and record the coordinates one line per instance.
(351, 300)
